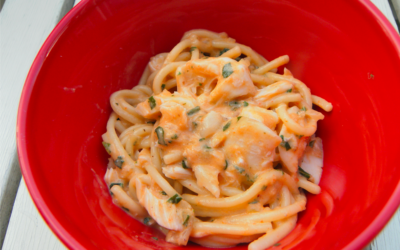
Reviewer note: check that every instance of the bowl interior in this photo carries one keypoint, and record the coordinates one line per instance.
(103, 46)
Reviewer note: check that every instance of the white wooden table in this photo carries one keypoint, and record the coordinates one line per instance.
(24, 26)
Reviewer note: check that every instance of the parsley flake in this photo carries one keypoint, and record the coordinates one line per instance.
(152, 102)
(175, 199)
(160, 134)
(185, 223)
(107, 147)
(193, 110)
(227, 70)
(304, 173)
(119, 161)
(226, 126)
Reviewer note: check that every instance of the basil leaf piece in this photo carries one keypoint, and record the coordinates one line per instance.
(227, 70)
(152, 102)
(107, 147)
(119, 161)
(304, 173)
(185, 223)
(193, 110)
(175, 199)
(160, 135)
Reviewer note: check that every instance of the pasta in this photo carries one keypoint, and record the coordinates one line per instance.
(214, 146)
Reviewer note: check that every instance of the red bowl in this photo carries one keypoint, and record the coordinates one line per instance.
(345, 51)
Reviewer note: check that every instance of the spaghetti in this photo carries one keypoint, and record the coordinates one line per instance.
(214, 146)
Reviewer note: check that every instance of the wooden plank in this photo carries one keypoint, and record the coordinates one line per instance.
(384, 7)
(24, 25)
(27, 229)
(26, 220)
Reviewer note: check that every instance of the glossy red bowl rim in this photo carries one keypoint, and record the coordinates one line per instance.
(360, 241)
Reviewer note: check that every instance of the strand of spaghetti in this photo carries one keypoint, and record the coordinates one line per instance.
(154, 151)
(294, 126)
(132, 188)
(191, 184)
(261, 80)
(309, 186)
(162, 74)
(171, 83)
(150, 80)
(184, 56)
(176, 51)
(322, 103)
(218, 212)
(137, 130)
(254, 56)
(123, 108)
(145, 75)
(201, 229)
(282, 98)
(232, 53)
(279, 213)
(285, 199)
(116, 143)
(299, 85)
(178, 187)
(129, 146)
(120, 127)
(163, 183)
(275, 235)
(126, 202)
(264, 179)
(223, 241)
(195, 54)
(230, 191)
(204, 33)
(282, 60)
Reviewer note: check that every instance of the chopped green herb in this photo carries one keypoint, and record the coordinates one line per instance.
(174, 137)
(304, 173)
(284, 143)
(223, 51)
(254, 202)
(303, 109)
(192, 49)
(107, 147)
(207, 147)
(119, 161)
(163, 193)
(194, 124)
(245, 104)
(179, 73)
(263, 188)
(124, 208)
(200, 84)
(248, 178)
(184, 165)
(277, 244)
(202, 139)
(162, 86)
(239, 117)
(160, 135)
(116, 103)
(226, 164)
(115, 183)
(185, 223)
(146, 220)
(151, 122)
(227, 70)
(175, 199)
(152, 102)
(311, 143)
(289, 91)
(238, 58)
(234, 105)
(226, 126)
(239, 169)
(193, 110)
(155, 238)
